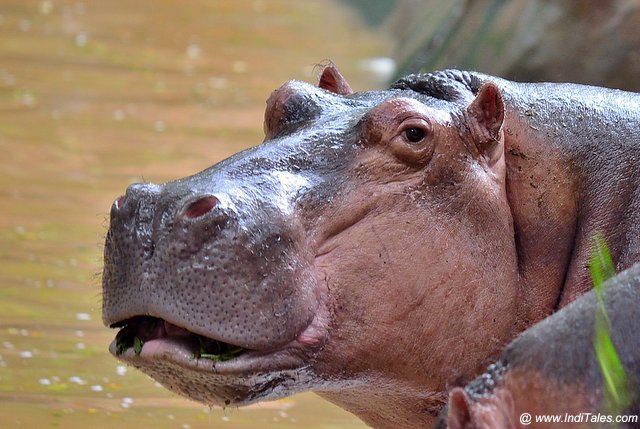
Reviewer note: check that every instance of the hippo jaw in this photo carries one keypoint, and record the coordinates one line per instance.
(218, 302)
(217, 372)
(207, 370)
(212, 366)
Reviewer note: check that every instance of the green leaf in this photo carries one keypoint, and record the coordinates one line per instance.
(610, 365)
(213, 351)
(601, 265)
(126, 339)
(601, 268)
(221, 357)
(123, 341)
(137, 345)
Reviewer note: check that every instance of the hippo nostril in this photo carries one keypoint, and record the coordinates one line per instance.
(119, 202)
(200, 207)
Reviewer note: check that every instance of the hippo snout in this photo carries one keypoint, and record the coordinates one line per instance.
(200, 274)
(140, 194)
(137, 208)
(204, 256)
(149, 214)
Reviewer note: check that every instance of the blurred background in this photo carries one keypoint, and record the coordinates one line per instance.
(583, 41)
(95, 95)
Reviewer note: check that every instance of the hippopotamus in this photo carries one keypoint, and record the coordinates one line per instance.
(551, 371)
(378, 246)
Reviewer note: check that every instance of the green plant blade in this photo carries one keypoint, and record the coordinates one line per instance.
(601, 268)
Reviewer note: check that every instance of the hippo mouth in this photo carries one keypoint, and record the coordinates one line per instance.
(207, 370)
(145, 339)
(158, 337)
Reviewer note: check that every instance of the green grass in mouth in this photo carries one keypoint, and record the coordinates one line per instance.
(206, 348)
(126, 339)
(216, 351)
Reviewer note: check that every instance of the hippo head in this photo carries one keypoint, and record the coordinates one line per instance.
(365, 251)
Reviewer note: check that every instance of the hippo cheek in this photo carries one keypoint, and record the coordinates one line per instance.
(407, 311)
(215, 306)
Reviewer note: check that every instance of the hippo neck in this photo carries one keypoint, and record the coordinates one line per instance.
(390, 407)
(565, 183)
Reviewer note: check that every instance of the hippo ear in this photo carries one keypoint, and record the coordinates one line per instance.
(332, 80)
(486, 119)
(459, 410)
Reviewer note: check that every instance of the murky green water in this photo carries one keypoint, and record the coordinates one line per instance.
(93, 96)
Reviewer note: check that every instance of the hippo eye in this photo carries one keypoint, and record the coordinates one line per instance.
(414, 134)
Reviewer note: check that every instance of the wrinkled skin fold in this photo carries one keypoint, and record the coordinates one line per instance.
(378, 246)
(552, 369)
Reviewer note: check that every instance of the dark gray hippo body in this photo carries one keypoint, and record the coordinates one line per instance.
(551, 369)
(377, 245)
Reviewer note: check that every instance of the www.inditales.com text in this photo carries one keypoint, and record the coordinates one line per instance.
(526, 418)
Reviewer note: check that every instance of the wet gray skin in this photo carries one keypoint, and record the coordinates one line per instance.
(377, 245)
